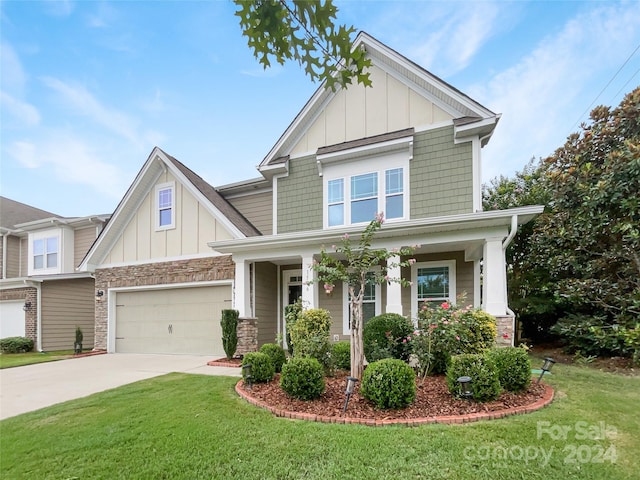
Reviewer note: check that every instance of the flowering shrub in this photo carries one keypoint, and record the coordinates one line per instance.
(447, 330)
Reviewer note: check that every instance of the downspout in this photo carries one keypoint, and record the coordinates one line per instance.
(505, 244)
(39, 315)
(4, 255)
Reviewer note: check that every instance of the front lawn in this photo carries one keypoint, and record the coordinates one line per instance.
(182, 426)
(8, 360)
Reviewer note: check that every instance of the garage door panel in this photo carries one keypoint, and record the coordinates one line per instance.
(185, 320)
(12, 319)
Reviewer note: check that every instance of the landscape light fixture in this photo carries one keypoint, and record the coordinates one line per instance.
(351, 383)
(546, 367)
(246, 374)
(26, 306)
(465, 386)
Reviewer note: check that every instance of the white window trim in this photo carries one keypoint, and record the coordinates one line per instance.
(346, 329)
(59, 258)
(379, 165)
(165, 186)
(451, 264)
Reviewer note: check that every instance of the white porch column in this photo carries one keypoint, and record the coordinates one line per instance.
(309, 285)
(394, 289)
(494, 286)
(242, 290)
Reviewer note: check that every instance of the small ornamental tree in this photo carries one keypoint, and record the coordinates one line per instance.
(229, 324)
(363, 265)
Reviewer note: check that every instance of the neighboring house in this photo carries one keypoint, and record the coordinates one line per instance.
(41, 295)
(177, 250)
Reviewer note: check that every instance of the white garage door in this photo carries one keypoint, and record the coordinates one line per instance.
(177, 320)
(12, 319)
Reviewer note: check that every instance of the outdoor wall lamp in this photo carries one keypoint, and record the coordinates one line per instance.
(99, 293)
(465, 386)
(546, 367)
(26, 306)
(246, 374)
(351, 383)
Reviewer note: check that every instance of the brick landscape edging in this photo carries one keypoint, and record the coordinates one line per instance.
(546, 399)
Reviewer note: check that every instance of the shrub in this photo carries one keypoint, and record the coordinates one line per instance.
(262, 369)
(389, 383)
(302, 378)
(591, 335)
(291, 314)
(229, 324)
(483, 372)
(310, 336)
(341, 355)
(387, 336)
(514, 367)
(447, 330)
(276, 354)
(16, 345)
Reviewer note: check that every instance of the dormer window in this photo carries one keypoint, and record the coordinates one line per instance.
(165, 206)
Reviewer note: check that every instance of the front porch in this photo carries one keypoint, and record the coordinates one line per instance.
(462, 252)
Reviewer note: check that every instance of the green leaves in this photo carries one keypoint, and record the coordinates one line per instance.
(303, 31)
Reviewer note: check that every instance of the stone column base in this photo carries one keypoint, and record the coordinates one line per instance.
(247, 335)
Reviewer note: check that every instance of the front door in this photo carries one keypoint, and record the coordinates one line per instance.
(292, 281)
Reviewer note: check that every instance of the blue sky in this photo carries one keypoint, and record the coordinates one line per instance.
(88, 88)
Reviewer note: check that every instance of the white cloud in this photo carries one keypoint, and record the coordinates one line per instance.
(72, 161)
(25, 154)
(21, 111)
(543, 95)
(13, 76)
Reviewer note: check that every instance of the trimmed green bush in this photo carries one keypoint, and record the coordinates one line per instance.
(310, 336)
(302, 378)
(229, 324)
(514, 367)
(291, 314)
(389, 383)
(483, 372)
(16, 345)
(262, 369)
(385, 336)
(341, 355)
(276, 354)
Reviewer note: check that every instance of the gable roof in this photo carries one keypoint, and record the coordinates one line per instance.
(157, 162)
(14, 213)
(479, 120)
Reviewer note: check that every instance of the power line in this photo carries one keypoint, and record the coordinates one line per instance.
(623, 86)
(606, 86)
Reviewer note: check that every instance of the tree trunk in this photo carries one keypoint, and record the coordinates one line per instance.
(357, 345)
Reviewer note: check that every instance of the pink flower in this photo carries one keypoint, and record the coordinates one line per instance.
(457, 337)
(380, 217)
(408, 337)
(404, 340)
(446, 322)
(446, 306)
(345, 236)
(412, 261)
(505, 335)
(333, 247)
(328, 288)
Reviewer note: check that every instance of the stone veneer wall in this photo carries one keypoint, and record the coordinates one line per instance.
(27, 294)
(150, 274)
(247, 335)
(506, 333)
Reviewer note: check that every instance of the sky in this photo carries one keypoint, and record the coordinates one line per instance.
(89, 88)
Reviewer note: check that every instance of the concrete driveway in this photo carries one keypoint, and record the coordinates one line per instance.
(28, 388)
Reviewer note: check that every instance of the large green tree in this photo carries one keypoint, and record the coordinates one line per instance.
(304, 31)
(590, 241)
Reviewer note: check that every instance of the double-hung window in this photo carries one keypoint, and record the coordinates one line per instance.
(371, 302)
(433, 283)
(45, 253)
(165, 206)
(355, 199)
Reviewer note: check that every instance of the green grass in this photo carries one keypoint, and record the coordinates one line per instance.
(8, 360)
(182, 426)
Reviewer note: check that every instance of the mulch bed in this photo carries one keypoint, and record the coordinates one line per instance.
(432, 400)
(223, 362)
